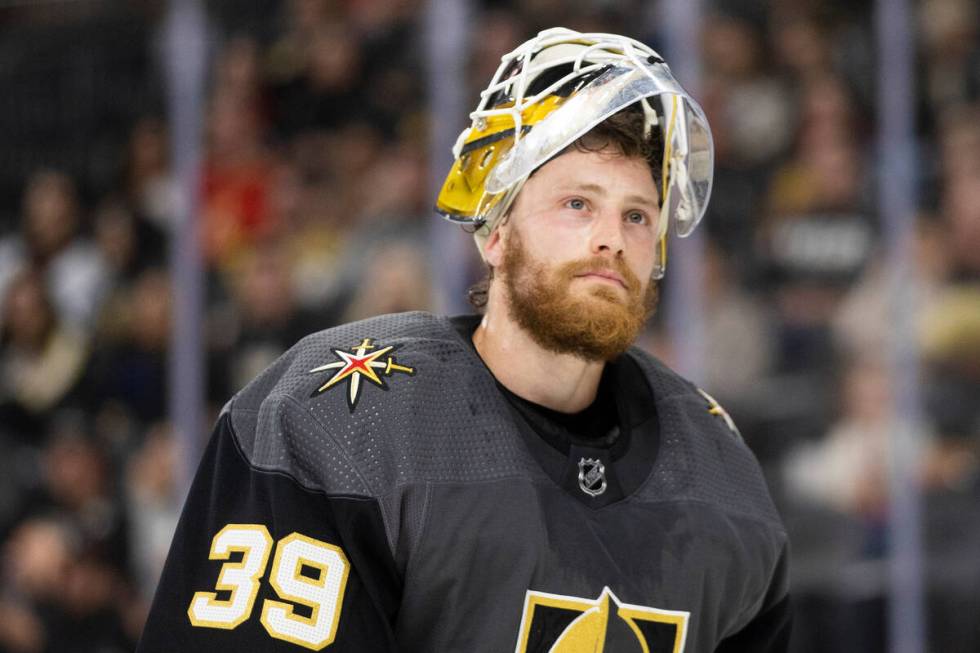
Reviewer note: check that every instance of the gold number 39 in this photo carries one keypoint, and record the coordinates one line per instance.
(324, 595)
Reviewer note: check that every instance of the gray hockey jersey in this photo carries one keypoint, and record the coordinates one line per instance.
(374, 491)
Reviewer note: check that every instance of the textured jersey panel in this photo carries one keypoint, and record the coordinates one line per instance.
(445, 422)
(441, 419)
(700, 458)
(399, 414)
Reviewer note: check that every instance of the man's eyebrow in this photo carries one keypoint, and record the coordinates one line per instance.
(599, 190)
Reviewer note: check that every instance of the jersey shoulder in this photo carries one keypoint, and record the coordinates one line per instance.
(364, 345)
(363, 407)
(702, 455)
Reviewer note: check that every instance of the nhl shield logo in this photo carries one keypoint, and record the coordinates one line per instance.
(591, 476)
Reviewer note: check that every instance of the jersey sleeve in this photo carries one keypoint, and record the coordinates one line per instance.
(261, 563)
(769, 630)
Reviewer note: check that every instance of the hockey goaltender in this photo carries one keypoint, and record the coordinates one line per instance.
(521, 480)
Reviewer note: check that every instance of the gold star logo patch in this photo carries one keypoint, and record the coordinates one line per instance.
(715, 409)
(363, 360)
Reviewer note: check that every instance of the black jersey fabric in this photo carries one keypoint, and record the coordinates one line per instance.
(376, 490)
(621, 420)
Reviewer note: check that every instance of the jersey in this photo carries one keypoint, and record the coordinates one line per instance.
(373, 490)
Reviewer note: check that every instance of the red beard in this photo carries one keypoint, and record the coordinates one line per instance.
(599, 324)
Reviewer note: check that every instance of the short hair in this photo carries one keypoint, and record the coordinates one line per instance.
(622, 133)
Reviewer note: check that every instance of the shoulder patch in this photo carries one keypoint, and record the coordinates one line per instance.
(715, 409)
(365, 359)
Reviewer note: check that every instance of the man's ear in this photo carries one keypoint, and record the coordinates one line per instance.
(493, 250)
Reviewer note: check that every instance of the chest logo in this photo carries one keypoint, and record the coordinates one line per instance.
(553, 623)
(362, 360)
(591, 476)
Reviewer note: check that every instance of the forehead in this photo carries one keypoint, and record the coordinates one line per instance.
(607, 172)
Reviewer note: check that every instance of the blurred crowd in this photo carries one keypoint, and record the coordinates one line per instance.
(316, 209)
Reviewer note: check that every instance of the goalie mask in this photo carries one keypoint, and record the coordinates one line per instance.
(552, 90)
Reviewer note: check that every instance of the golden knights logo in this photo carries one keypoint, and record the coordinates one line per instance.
(364, 360)
(553, 623)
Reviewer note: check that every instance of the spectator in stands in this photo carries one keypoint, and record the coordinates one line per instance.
(313, 235)
(393, 189)
(951, 54)
(36, 558)
(401, 283)
(326, 91)
(21, 631)
(153, 504)
(64, 601)
(79, 486)
(754, 103)
(236, 180)
(238, 73)
(148, 183)
(959, 142)
(861, 318)
(847, 469)
(750, 112)
(51, 241)
(298, 21)
(961, 204)
(801, 44)
(42, 359)
(128, 244)
(819, 234)
(266, 320)
(129, 363)
(951, 349)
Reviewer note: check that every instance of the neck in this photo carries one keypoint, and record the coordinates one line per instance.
(561, 382)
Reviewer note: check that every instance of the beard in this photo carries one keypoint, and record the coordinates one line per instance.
(597, 324)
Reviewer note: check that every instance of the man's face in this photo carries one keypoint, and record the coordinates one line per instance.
(576, 254)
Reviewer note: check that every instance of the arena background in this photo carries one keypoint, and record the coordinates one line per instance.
(831, 303)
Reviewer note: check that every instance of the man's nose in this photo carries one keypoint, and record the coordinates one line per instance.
(606, 236)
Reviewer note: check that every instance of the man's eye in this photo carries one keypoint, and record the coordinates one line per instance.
(636, 217)
(577, 204)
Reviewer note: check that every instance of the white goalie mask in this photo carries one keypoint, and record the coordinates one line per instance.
(552, 90)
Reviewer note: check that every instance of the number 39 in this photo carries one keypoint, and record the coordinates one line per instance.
(323, 595)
